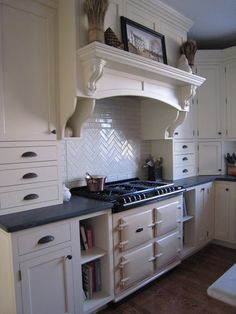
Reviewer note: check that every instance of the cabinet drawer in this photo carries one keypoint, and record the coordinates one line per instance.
(185, 159)
(28, 175)
(184, 171)
(10, 155)
(43, 237)
(29, 196)
(184, 147)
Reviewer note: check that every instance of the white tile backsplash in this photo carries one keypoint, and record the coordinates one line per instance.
(110, 143)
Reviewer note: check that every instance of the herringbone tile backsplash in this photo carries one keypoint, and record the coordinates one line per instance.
(110, 143)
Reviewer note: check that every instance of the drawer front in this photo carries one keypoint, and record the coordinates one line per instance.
(184, 171)
(184, 147)
(167, 218)
(185, 159)
(167, 250)
(29, 197)
(43, 237)
(27, 154)
(136, 266)
(135, 229)
(28, 175)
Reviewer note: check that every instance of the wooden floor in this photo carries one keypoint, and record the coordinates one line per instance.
(183, 290)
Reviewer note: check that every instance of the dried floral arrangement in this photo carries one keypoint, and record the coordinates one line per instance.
(189, 49)
(96, 10)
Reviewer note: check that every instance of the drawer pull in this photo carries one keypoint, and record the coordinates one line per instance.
(139, 230)
(30, 175)
(30, 197)
(68, 256)
(185, 158)
(29, 154)
(184, 146)
(185, 171)
(54, 132)
(47, 239)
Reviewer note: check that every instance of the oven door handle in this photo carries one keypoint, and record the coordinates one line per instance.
(123, 243)
(158, 222)
(123, 281)
(151, 259)
(122, 226)
(123, 263)
(158, 255)
(152, 225)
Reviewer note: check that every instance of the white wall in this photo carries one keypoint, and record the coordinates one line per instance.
(110, 144)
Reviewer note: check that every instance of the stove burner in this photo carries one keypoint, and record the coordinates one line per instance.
(130, 193)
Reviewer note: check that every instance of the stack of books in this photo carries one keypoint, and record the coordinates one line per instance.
(86, 237)
(91, 274)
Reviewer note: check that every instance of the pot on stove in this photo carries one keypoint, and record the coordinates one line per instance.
(95, 183)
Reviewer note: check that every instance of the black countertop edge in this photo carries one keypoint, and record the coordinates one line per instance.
(77, 206)
(198, 180)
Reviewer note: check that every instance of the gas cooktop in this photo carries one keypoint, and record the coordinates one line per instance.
(130, 193)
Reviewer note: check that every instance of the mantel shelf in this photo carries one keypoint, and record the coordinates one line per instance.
(117, 59)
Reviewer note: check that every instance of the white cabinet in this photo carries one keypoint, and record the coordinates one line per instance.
(198, 219)
(225, 211)
(209, 158)
(204, 213)
(147, 242)
(47, 283)
(27, 71)
(230, 74)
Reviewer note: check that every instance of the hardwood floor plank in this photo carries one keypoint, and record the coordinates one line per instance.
(183, 290)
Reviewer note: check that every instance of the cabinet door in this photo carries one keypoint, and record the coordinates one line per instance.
(222, 211)
(208, 102)
(204, 213)
(47, 284)
(231, 99)
(209, 158)
(27, 72)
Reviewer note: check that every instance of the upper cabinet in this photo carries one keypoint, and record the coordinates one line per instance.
(27, 71)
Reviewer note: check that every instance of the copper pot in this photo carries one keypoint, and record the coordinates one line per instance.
(96, 183)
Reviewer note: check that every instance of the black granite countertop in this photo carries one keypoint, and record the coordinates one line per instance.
(77, 206)
(197, 180)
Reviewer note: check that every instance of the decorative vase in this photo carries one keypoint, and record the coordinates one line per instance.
(96, 10)
(182, 64)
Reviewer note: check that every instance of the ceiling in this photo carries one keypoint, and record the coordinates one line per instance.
(214, 21)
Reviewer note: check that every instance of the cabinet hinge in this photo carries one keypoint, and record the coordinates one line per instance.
(193, 133)
(197, 101)
(226, 101)
(198, 170)
(226, 131)
(19, 275)
(197, 147)
(225, 69)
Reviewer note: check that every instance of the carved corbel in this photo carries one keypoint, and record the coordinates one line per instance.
(181, 116)
(186, 94)
(84, 109)
(96, 70)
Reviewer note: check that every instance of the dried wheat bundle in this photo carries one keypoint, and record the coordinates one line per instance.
(96, 10)
(189, 49)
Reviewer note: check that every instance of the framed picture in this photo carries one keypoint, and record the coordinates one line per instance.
(143, 41)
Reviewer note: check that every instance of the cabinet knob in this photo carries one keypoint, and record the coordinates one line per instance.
(54, 132)
(184, 146)
(29, 154)
(185, 158)
(46, 239)
(219, 170)
(202, 189)
(69, 257)
(219, 133)
(185, 171)
(176, 133)
(227, 189)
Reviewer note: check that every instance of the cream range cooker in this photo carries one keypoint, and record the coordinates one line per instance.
(147, 230)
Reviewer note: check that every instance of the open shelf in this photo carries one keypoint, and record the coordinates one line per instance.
(99, 298)
(91, 254)
(187, 218)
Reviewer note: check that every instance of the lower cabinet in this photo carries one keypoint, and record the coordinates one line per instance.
(225, 211)
(147, 243)
(41, 268)
(209, 158)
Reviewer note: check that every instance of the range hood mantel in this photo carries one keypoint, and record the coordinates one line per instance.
(104, 71)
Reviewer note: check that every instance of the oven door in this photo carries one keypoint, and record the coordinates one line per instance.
(167, 217)
(135, 266)
(135, 229)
